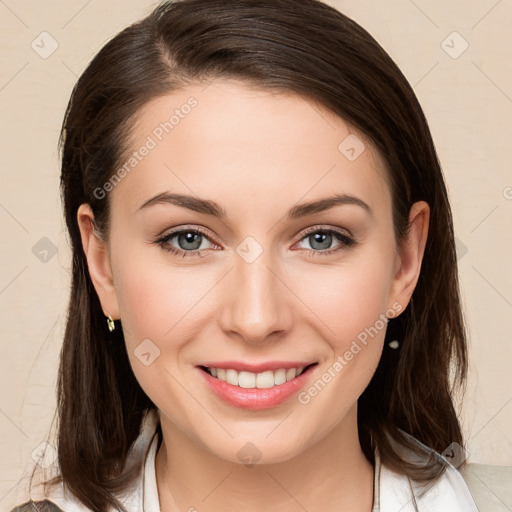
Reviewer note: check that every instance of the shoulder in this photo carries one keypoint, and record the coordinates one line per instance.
(37, 506)
(56, 497)
(448, 492)
(400, 493)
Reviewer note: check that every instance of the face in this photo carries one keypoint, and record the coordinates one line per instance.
(240, 275)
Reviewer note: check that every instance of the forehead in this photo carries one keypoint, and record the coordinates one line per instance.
(239, 143)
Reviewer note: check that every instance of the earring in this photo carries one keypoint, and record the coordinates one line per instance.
(111, 324)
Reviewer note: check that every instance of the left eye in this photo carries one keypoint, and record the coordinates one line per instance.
(320, 240)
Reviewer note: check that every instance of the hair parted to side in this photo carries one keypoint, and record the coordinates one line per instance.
(299, 46)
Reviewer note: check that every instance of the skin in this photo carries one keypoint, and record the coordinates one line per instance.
(256, 153)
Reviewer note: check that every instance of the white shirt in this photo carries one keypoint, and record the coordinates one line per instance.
(393, 492)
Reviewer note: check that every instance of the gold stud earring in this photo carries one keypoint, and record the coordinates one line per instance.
(110, 323)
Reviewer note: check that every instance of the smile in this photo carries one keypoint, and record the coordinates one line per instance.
(248, 380)
(256, 391)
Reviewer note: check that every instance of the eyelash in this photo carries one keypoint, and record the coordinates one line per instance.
(346, 241)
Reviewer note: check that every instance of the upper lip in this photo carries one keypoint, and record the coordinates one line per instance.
(241, 366)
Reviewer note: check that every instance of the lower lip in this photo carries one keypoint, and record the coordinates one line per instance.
(255, 398)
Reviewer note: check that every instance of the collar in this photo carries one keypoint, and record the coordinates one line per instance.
(393, 492)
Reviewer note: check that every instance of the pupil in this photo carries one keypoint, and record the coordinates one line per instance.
(324, 239)
(188, 238)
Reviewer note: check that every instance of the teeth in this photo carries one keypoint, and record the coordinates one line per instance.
(232, 377)
(262, 380)
(291, 373)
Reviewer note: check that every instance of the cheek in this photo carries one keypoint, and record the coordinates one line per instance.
(159, 311)
(157, 302)
(161, 302)
(347, 298)
(350, 306)
(147, 293)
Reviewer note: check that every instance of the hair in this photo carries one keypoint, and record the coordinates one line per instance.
(302, 47)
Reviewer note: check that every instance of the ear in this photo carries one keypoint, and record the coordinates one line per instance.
(98, 262)
(410, 255)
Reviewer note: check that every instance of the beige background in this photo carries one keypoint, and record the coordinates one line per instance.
(467, 98)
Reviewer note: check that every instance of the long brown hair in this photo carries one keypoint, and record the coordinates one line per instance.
(301, 46)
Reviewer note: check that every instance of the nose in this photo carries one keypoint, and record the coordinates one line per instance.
(255, 302)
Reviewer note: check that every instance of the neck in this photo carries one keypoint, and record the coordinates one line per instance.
(330, 475)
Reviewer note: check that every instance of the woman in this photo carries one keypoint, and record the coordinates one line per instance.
(264, 308)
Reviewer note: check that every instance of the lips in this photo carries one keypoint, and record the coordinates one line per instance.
(251, 390)
(256, 368)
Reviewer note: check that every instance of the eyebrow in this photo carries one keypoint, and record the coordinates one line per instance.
(209, 207)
